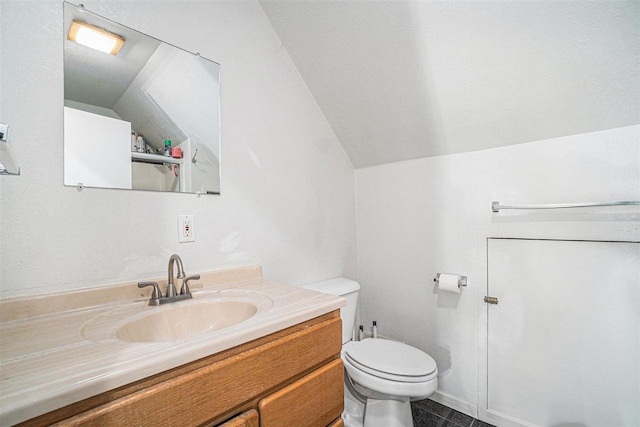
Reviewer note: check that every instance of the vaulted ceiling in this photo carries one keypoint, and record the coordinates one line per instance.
(404, 79)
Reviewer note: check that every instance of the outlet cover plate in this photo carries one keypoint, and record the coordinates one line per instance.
(186, 229)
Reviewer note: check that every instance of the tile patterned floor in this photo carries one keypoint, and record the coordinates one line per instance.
(427, 413)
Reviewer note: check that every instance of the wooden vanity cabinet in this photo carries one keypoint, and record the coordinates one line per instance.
(293, 377)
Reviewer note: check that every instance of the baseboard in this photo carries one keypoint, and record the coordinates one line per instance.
(459, 405)
(368, 334)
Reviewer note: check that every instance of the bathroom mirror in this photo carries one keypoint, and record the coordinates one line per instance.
(139, 113)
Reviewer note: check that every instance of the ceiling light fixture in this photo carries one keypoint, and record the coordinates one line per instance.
(95, 37)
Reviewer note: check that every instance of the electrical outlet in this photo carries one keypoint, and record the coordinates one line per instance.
(186, 232)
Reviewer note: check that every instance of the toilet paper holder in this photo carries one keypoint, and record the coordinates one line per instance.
(462, 280)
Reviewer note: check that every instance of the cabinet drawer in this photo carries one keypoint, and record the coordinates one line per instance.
(314, 400)
(247, 419)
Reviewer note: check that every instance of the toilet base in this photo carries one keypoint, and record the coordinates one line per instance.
(379, 411)
(387, 413)
(353, 415)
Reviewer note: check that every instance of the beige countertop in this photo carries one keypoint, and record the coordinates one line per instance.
(70, 352)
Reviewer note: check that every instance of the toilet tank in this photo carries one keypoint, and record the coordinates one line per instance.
(346, 288)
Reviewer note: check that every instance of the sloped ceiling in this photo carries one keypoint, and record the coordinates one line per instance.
(400, 80)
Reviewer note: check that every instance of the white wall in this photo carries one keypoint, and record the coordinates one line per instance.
(420, 217)
(287, 198)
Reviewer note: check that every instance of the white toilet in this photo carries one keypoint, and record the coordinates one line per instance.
(382, 377)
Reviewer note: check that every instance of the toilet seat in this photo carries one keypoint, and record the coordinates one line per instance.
(375, 386)
(391, 360)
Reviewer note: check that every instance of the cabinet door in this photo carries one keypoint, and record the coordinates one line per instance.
(246, 419)
(97, 150)
(315, 400)
(564, 340)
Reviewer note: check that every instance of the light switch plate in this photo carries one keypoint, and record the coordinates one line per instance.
(186, 229)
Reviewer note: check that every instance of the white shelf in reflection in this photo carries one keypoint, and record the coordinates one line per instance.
(154, 158)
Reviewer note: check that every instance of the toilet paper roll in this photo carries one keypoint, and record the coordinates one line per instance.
(449, 283)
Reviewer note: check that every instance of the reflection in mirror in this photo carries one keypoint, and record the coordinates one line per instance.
(138, 113)
(8, 163)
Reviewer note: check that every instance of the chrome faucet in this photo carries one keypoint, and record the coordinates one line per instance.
(171, 287)
(171, 294)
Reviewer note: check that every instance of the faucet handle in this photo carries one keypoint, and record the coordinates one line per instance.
(185, 285)
(155, 294)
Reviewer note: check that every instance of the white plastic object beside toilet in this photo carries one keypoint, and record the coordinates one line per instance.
(382, 377)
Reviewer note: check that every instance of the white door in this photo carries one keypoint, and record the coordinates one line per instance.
(563, 342)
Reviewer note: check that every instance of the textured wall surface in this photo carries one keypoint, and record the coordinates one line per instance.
(287, 198)
(421, 217)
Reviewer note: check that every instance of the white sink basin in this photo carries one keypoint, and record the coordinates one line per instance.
(186, 319)
(204, 314)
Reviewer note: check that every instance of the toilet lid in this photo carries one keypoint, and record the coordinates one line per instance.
(391, 357)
